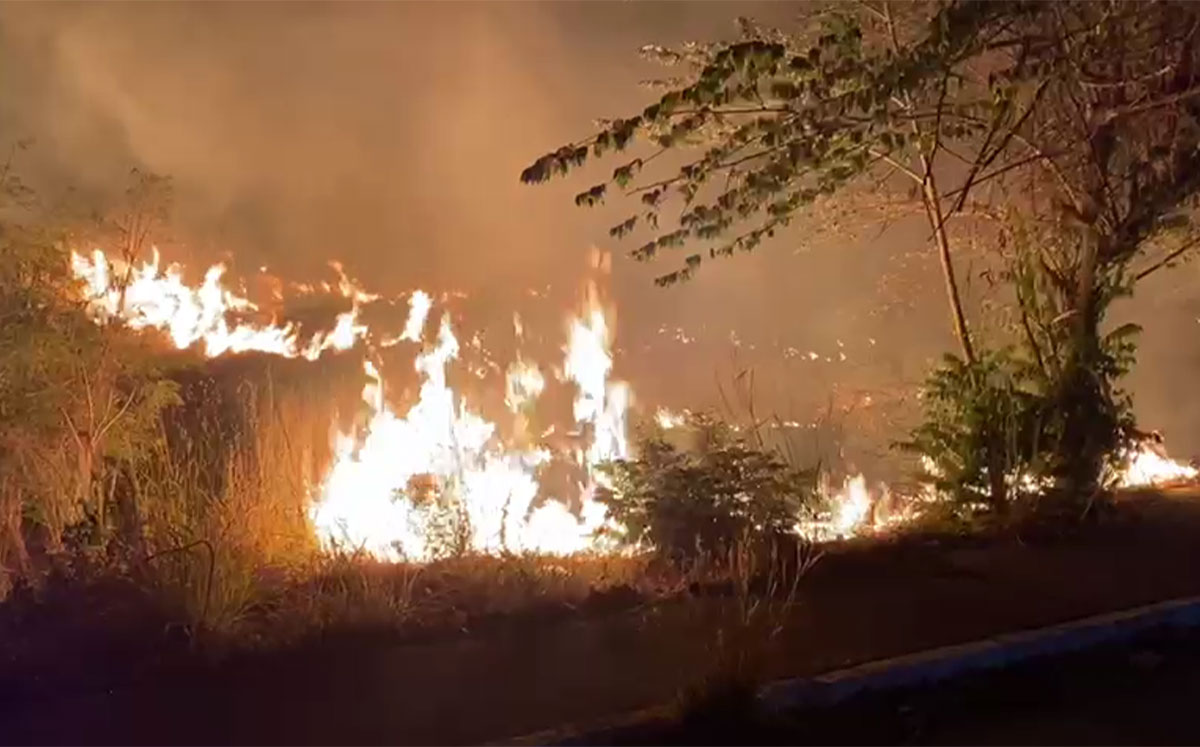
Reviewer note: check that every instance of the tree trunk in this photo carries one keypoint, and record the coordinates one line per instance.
(1082, 399)
(937, 223)
(953, 296)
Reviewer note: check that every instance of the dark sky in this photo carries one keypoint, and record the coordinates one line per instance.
(390, 136)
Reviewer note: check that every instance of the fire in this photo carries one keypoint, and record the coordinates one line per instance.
(852, 506)
(854, 509)
(1147, 467)
(600, 406)
(437, 480)
(150, 297)
(669, 420)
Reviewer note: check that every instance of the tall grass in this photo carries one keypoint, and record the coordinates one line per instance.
(224, 513)
(762, 577)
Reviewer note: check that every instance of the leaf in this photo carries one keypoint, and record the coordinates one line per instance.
(591, 197)
(624, 174)
(623, 228)
(1123, 332)
(537, 172)
(645, 252)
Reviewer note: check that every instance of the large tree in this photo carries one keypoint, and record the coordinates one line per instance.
(1082, 115)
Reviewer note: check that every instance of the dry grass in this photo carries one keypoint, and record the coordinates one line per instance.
(356, 594)
(217, 536)
(763, 581)
(222, 539)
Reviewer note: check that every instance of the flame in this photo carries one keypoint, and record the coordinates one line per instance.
(1146, 467)
(599, 406)
(855, 511)
(149, 297)
(438, 480)
(852, 506)
(523, 384)
(669, 420)
(850, 511)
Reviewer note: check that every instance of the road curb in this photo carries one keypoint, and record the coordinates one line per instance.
(989, 653)
(917, 668)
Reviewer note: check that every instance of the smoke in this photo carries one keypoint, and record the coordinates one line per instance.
(390, 136)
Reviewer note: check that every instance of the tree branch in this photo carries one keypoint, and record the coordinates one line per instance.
(1167, 259)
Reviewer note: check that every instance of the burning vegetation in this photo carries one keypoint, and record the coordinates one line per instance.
(439, 479)
(309, 455)
(228, 449)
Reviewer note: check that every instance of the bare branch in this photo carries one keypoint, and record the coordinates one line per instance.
(1167, 259)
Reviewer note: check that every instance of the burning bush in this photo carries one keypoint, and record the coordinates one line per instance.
(78, 400)
(980, 434)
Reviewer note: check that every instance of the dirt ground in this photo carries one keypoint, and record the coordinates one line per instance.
(861, 602)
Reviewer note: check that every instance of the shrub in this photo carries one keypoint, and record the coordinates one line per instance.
(691, 503)
(981, 430)
(999, 430)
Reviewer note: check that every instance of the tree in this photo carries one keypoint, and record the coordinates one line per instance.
(1083, 114)
(788, 120)
(1119, 140)
(77, 399)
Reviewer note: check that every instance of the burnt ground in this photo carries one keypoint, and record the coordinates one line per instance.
(862, 601)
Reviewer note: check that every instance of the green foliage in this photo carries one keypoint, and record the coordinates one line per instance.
(1077, 365)
(78, 400)
(1044, 416)
(701, 501)
(1083, 113)
(982, 420)
(784, 120)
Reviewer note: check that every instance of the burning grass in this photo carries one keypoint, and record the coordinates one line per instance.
(283, 502)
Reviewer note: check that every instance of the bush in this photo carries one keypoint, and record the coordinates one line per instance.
(700, 502)
(980, 438)
(999, 430)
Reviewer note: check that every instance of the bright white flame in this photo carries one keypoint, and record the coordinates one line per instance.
(600, 406)
(851, 505)
(668, 420)
(523, 385)
(437, 479)
(419, 305)
(848, 512)
(1148, 468)
(155, 298)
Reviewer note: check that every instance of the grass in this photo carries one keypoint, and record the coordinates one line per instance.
(560, 661)
(763, 582)
(354, 594)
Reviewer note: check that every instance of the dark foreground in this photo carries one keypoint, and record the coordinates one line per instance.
(1141, 691)
(860, 603)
